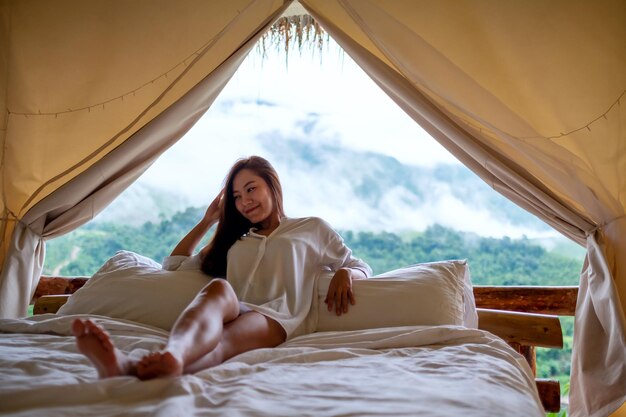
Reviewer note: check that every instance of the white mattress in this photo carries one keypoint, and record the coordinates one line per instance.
(428, 371)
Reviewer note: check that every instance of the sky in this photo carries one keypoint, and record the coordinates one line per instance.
(272, 94)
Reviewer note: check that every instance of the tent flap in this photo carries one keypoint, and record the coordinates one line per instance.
(85, 79)
(530, 100)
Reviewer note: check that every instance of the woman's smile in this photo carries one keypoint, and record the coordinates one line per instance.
(254, 200)
(250, 209)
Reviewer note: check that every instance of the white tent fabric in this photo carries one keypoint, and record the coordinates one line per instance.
(529, 95)
(61, 167)
(459, 97)
(81, 199)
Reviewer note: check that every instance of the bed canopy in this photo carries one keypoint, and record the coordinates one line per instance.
(529, 95)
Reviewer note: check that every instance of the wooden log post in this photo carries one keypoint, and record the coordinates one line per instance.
(522, 328)
(50, 303)
(529, 353)
(550, 394)
(57, 285)
(558, 301)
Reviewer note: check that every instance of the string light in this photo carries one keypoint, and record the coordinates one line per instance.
(588, 125)
(164, 75)
(561, 134)
(271, 34)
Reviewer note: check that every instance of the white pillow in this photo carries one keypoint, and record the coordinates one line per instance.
(132, 287)
(436, 293)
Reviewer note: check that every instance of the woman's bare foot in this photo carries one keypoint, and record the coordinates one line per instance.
(158, 365)
(95, 343)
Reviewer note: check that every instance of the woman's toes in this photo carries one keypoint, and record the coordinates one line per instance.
(78, 328)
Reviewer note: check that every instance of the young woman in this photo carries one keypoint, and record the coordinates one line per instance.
(270, 262)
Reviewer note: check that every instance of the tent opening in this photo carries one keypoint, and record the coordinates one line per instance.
(401, 198)
(533, 107)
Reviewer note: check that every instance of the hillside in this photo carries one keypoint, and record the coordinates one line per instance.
(142, 203)
(389, 189)
(503, 261)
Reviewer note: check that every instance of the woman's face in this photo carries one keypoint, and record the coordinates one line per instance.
(254, 198)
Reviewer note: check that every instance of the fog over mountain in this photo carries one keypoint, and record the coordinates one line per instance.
(344, 152)
(370, 191)
(352, 189)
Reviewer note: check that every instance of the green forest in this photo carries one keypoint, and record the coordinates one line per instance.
(492, 261)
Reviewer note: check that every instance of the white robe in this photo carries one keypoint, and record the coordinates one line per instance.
(276, 274)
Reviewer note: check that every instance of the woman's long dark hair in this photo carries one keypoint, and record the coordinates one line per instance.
(232, 225)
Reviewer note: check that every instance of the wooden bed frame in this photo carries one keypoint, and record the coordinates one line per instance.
(525, 317)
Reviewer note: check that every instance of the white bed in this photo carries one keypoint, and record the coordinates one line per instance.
(418, 370)
(406, 348)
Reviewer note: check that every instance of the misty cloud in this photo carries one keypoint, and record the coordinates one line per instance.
(343, 149)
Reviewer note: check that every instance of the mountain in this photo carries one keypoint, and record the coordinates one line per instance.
(357, 190)
(372, 191)
(142, 203)
(352, 189)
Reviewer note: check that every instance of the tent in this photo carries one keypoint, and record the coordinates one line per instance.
(529, 95)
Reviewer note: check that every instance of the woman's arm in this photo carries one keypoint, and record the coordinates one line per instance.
(338, 257)
(187, 245)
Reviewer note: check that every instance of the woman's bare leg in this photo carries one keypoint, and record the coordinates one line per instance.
(196, 332)
(247, 332)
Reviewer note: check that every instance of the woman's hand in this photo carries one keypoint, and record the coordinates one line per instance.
(340, 294)
(212, 214)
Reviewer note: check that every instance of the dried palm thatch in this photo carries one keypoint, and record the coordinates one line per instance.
(301, 31)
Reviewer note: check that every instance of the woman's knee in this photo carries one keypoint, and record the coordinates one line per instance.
(218, 287)
(219, 290)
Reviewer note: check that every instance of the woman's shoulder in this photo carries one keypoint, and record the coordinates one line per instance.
(305, 224)
(305, 221)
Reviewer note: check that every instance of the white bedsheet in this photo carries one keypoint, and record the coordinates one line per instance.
(426, 371)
